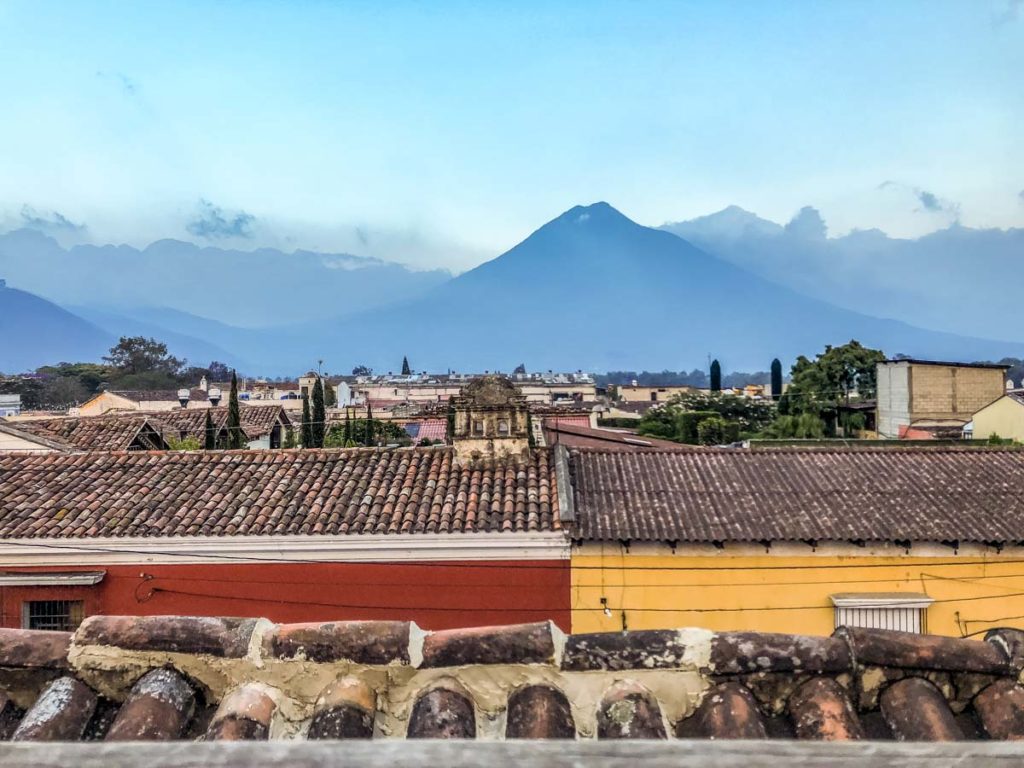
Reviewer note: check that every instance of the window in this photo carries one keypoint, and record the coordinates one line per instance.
(60, 615)
(654, 397)
(478, 428)
(903, 611)
(503, 428)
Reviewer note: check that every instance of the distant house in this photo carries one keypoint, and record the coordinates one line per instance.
(264, 426)
(14, 440)
(10, 405)
(118, 432)
(926, 396)
(137, 400)
(1003, 418)
(434, 430)
(633, 393)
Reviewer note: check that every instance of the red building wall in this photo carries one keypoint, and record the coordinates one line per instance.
(433, 594)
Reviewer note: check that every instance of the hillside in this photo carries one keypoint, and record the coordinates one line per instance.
(35, 332)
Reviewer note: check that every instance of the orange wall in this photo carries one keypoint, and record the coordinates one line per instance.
(434, 595)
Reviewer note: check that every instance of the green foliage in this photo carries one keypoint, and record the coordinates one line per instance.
(368, 427)
(617, 422)
(306, 427)
(330, 395)
(531, 441)
(137, 354)
(776, 379)
(362, 370)
(804, 426)
(715, 430)
(406, 370)
(185, 444)
(995, 439)
(319, 415)
(451, 420)
(290, 440)
(680, 418)
(838, 376)
(236, 439)
(716, 376)
(386, 431)
(347, 434)
(209, 434)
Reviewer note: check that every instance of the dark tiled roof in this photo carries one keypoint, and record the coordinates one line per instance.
(577, 436)
(419, 490)
(115, 432)
(226, 678)
(160, 395)
(707, 495)
(257, 420)
(1016, 395)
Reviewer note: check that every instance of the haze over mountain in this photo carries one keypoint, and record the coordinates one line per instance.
(956, 279)
(589, 290)
(266, 287)
(35, 332)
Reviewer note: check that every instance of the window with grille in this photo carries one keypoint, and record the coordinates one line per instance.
(60, 615)
(906, 612)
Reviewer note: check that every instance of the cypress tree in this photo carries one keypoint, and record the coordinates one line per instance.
(348, 428)
(235, 437)
(210, 434)
(307, 432)
(319, 414)
(776, 379)
(330, 396)
(716, 376)
(451, 421)
(406, 370)
(368, 436)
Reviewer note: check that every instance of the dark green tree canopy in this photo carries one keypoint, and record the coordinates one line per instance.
(776, 379)
(319, 415)
(306, 431)
(137, 354)
(406, 370)
(236, 439)
(716, 376)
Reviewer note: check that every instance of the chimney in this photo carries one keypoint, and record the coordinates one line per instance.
(183, 397)
(214, 396)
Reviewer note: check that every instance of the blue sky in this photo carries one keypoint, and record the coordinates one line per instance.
(441, 133)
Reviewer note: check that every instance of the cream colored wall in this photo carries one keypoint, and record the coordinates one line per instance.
(952, 392)
(1004, 417)
(13, 443)
(631, 394)
(787, 589)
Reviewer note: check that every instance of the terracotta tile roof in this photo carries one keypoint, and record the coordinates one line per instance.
(137, 678)
(428, 429)
(257, 420)
(113, 432)
(707, 495)
(416, 490)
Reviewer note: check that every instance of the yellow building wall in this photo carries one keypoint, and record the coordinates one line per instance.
(1005, 418)
(651, 588)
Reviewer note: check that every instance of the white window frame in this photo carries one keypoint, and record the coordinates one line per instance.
(902, 611)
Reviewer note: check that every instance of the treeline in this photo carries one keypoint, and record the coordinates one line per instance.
(134, 363)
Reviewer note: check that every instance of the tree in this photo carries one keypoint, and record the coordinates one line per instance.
(833, 379)
(330, 395)
(368, 439)
(210, 433)
(362, 370)
(716, 376)
(386, 431)
(235, 437)
(137, 354)
(776, 379)
(711, 431)
(307, 427)
(406, 370)
(680, 418)
(319, 414)
(521, 368)
(348, 428)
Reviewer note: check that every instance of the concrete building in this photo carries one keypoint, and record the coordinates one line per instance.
(10, 405)
(925, 396)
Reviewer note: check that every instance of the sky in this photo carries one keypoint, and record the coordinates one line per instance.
(442, 133)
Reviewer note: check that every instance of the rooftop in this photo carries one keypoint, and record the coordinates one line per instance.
(114, 432)
(914, 361)
(308, 492)
(125, 678)
(706, 495)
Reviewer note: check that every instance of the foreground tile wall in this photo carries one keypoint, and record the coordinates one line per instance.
(132, 678)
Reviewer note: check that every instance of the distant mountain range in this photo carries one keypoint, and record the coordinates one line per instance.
(956, 279)
(589, 290)
(258, 288)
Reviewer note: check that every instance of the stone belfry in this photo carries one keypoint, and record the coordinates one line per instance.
(491, 419)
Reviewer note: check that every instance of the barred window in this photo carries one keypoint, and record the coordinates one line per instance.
(901, 611)
(59, 615)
